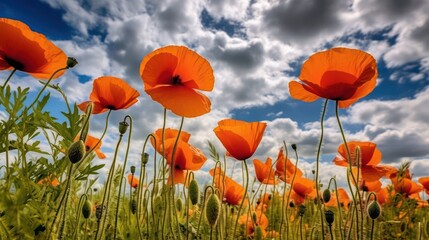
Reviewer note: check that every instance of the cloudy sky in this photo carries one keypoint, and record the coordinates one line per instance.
(255, 48)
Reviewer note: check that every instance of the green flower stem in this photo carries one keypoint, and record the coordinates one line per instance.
(202, 208)
(316, 181)
(122, 174)
(291, 187)
(66, 195)
(8, 78)
(349, 168)
(338, 205)
(300, 228)
(106, 194)
(79, 210)
(102, 135)
(284, 195)
(244, 197)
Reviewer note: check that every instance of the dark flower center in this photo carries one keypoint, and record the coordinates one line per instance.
(15, 64)
(176, 80)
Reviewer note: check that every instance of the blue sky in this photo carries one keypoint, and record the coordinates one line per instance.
(255, 48)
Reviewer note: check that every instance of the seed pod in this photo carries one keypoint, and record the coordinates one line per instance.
(87, 209)
(374, 210)
(133, 169)
(145, 158)
(301, 210)
(258, 233)
(194, 191)
(212, 210)
(71, 62)
(76, 151)
(329, 217)
(326, 195)
(99, 212)
(179, 204)
(123, 127)
(133, 206)
(293, 145)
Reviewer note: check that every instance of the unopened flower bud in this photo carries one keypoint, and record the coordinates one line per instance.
(258, 233)
(71, 62)
(145, 158)
(133, 169)
(212, 210)
(374, 210)
(329, 217)
(123, 127)
(86, 209)
(179, 204)
(326, 195)
(133, 206)
(194, 191)
(301, 210)
(76, 151)
(293, 146)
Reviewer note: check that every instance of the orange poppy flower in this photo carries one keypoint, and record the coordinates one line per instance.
(384, 195)
(261, 220)
(265, 172)
(51, 181)
(169, 133)
(339, 74)
(343, 197)
(186, 157)
(110, 93)
(91, 143)
(368, 186)
(302, 188)
(133, 180)
(425, 182)
(369, 160)
(232, 192)
(240, 138)
(285, 169)
(171, 76)
(28, 51)
(406, 186)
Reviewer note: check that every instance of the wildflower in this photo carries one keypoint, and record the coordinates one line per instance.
(285, 169)
(52, 181)
(173, 74)
(169, 133)
(133, 180)
(343, 199)
(370, 157)
(302, 188)
(264, 171)
(232, 192)
(28, 51)
(240, 138)
(339, 74)
(110, 93)
(258, 218)
(94, 143)
(425, 182)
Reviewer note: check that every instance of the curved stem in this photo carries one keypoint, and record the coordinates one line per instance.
(122, 174)
(8, 78)
(338, 205)
(291, 184)
(244, 197)
(319, 148)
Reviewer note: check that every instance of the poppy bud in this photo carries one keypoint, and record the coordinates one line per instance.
(254, 217)
(133, 169)
(293, 145)
(258, 233)
(76, 151)
(374, 210)
(301, 210)
(179, 204)
(71, 62)
(86, 209)
(133, 206)
(123, 127)
(326, 195)
(145, 158)
(212, 210)
(329, 217)
(99, 212)
(194, 191)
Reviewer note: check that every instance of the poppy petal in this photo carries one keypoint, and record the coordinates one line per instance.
(299, 92)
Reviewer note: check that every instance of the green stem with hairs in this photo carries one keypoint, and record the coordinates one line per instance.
(316, 181)
(244, 197)
(349, 168)
(122, 174)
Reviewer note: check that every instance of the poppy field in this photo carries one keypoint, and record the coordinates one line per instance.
(51, 195)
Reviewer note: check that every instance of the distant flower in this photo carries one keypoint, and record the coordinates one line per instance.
(370, 157)
(186, 157)
(343, 199)
(302, 189)
(264, 171)
(256, 218)
(133, 180)
(52, 181)
(285, 169)
(240, 138)
(169, 133)
(406, 186)
(91, 143)
(28, 51)
(339, 74)
(110, 93)
(232, 192)
(425, 182)
(173, 74)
